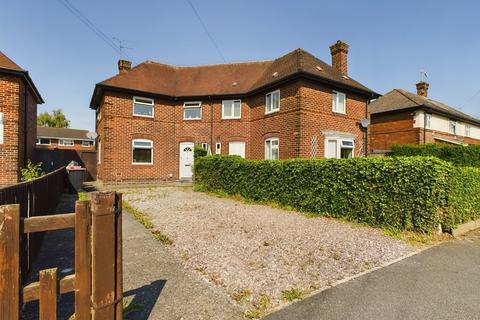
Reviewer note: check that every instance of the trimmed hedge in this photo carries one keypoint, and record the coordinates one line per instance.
(465, 156)
(405, 193)
(464, 196)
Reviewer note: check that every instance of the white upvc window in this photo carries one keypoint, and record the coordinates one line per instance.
(453, 127)
(192, 110)
(339, 148)
(272, 102)
(231, 109)
(218, 148)
(2, 126)
(467, 130)
(142, 151)
(43, 141)
(86, 143)
(66, 142)
(338, 102)
(428, 120)
(272, 149)
(143, 107)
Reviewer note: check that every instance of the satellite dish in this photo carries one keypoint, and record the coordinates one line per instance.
(92, 135)
(365, 123)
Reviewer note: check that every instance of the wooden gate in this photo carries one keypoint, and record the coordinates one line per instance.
(97, 281)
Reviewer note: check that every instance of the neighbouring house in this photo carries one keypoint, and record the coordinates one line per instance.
(402, 117)
(64, 138)
(150, 117)
(18, 117)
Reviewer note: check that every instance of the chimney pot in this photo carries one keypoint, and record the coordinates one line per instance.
(339, 52)
(422, 89)
(124, 66)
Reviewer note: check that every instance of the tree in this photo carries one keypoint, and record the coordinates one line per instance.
(56, 119)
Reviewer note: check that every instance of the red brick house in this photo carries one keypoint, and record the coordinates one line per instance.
(18, 116)
(64, 138)
(402, 117)
(150, 117)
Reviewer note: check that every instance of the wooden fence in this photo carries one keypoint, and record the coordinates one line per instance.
(97, 281)
(35, 198)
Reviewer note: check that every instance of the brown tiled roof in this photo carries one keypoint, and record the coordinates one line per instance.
(8, 66)
(399, 99)
(224, 79)
(49, 132)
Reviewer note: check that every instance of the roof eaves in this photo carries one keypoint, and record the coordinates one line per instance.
(24, 74)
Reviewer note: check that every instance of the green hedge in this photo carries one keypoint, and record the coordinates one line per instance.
(465, 156)
(405, 193)
(464, 196)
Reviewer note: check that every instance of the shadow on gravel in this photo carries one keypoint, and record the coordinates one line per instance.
(141, 306)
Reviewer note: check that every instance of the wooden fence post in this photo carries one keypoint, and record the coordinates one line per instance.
(103, 255)
(83, 279)
(119, 258)
(9, 261)
(48, 294)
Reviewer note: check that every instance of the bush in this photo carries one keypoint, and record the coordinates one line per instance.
(199, 152)
(404, 193)
(465, 156)
(464, 196)
(31, 171)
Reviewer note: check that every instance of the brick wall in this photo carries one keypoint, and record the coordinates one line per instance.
(305, 110)
(13, 155)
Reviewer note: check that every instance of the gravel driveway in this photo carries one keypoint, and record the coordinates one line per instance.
(254, 252)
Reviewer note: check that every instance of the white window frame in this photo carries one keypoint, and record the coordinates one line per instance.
(151, 148)
(468, 130)
(61, 142)
(269, 153)
(453, 127)
(2, 127)
(218, 148)
(190, 103)
(338, 152)
(150, 103)
(44, 144)
(84, 146)
(269, 108)
(335, 102)
(428, 120)
(233, 108)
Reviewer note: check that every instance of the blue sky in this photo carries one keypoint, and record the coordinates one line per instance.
(390, 42)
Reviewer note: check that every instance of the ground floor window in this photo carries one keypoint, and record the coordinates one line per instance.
(339, 148)
(142, 151)
(272, 151)
(236, 148)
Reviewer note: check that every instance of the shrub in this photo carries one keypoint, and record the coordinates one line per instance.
(465, 156)
(403, 193)
(464, 196)
(199, 152)
(31, 171)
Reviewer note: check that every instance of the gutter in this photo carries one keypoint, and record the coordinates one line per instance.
(27, 79)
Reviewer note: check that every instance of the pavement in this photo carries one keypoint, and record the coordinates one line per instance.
(442, 282)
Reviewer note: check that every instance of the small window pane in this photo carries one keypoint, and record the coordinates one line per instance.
(269, 102)
(142, 155)
(142, 110)
(142, 144)
(347, 143)
(227, 108)
(331, 149)
(85, 143)
(346, 153)
(276, 100)
(192, 113)
(237, 107)
(65, 142)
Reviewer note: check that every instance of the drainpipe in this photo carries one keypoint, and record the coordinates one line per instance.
(366, 129)
(25, 125)
(211, 123)
(424, 126)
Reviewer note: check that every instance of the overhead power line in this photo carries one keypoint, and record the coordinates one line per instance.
(207, 32)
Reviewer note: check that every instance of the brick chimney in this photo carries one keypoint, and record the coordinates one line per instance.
(422, 89)
(339, 53)
(124, 66)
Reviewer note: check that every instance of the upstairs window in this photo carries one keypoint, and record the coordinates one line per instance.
(231, 109)
(272, 151)
(192, 111)
(272, 102)
(338, 102)
(467, 130)
(143, 107)
(142, 151)
(453, 127)
(428, 120)
(66, 142)
(1, 127)
(86, 143)
(43, 141)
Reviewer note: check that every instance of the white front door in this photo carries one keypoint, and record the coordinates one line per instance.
(237, 148)
(186, 160)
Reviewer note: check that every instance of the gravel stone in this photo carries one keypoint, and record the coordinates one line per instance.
(251, 250)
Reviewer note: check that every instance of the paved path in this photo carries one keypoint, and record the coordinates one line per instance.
(159, 284)
(442, 282)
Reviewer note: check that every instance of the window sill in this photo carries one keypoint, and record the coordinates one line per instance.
(338, 112)
(240, 118)
(195, 119)
(272, 112)
(140, 116)
(141, 164)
